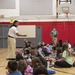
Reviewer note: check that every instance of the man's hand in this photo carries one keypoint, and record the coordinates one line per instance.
(25, 35)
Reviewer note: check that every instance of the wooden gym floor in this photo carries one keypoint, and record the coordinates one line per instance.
(59, 71)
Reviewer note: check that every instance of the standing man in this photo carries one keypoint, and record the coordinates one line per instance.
(54, 35)
(12, 33)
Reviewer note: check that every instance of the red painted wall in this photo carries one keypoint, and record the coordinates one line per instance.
(66, 30)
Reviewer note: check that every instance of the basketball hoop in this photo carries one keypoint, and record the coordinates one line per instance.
(65, 8)
(66, 13)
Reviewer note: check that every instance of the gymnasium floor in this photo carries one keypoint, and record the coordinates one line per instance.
(59, 71)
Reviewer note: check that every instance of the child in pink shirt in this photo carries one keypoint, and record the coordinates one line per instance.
(28, 71)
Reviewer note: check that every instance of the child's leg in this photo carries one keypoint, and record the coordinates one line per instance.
(52, 61)
(62, 64)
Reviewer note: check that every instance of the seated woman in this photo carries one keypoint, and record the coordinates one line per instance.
(66, 60)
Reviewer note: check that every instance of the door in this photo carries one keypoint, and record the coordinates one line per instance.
(38, 34)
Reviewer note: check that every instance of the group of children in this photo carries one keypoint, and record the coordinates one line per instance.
(35, 60)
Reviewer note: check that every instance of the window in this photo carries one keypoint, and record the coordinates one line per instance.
(62, 1)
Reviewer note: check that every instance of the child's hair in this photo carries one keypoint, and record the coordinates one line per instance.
(40, 71)
(26, 51)
(12, 65)
(54, 48)
(67, 41)
(36, 62)
(33, 51)
(59, 51)
(22, 65)
(65, 47)
(19, 57)
(60, 42)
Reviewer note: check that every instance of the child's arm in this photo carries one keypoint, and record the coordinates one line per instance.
(62, 59)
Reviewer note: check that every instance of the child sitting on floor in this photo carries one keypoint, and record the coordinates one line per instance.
(36, 63)
(66, 60)
(53, 56)
(12, 68)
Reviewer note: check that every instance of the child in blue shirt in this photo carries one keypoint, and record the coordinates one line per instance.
(12, 68)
